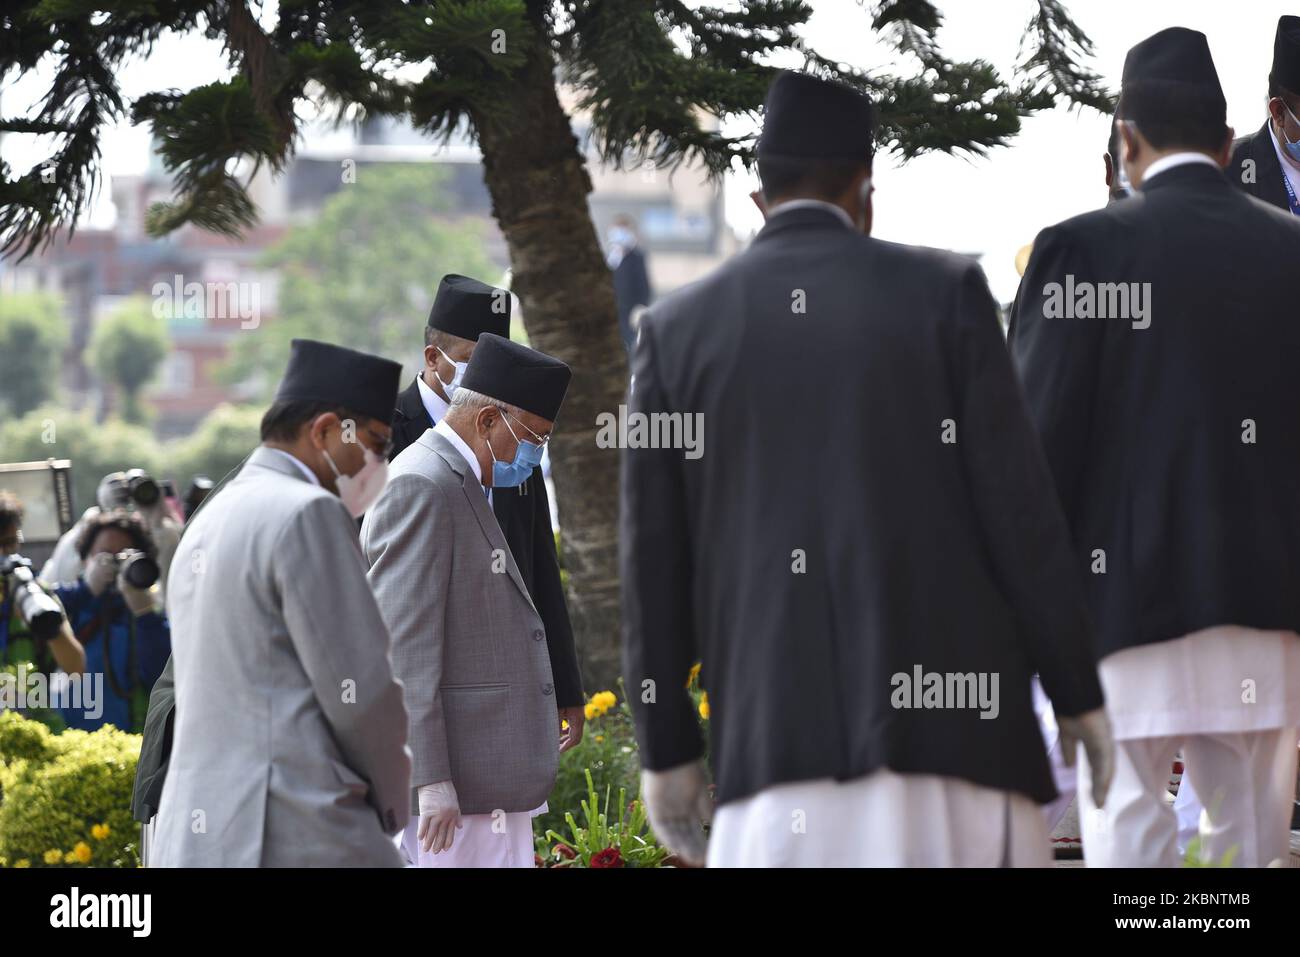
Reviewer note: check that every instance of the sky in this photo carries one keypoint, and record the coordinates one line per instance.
(990, 205)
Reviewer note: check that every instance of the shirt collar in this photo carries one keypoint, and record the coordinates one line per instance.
(811, 204)
(1175, 159)
(434, 404)
(1289, 171)
(311, 476)
(448, 433)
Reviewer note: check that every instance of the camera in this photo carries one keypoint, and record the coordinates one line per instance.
(41, 613)
(122, 489)
(137, 568)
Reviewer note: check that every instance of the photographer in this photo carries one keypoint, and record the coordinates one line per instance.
(17, 643)
(114, 612)
(134, 491)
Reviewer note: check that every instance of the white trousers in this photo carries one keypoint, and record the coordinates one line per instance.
(483, 840)
(1246, 780)
(880, 820)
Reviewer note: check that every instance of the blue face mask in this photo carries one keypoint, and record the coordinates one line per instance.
(528, 456)
(1292, 149)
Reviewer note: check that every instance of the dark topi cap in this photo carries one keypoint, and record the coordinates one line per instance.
(518, 376)
(805, 117)
(467, 308)
(356, 381)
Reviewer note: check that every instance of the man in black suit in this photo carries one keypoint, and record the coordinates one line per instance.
(845, 558)
(1267, 163)
(1153, 339)
(631, 278)
(463, 309)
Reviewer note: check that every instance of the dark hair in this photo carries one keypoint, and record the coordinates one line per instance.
(11, 510)
(1289, 97)
(122, 520)
(1188, 125)
(283, 420)
(815, 178)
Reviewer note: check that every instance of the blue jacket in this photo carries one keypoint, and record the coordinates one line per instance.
(125, 655)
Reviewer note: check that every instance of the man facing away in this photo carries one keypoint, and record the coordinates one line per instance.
(468, 644)
(850, 568)
(1152, 338)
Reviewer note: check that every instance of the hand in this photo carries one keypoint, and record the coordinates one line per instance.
(139, 600)
(1092, 730)
(570, 736)
(678, 803)
(439, 816)
(101, 571)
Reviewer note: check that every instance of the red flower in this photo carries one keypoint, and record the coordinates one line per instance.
(609, 857)
(563, 850)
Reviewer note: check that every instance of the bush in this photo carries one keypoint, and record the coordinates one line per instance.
(67, 800)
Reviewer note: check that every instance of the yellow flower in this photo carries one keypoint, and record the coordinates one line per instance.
(22, 862)
(82, 850)
(695, 673)
(53, 856)
(590, 710)
(69, 858)
(704, 706)
(600, 738)
(100, 831)
(604, 700)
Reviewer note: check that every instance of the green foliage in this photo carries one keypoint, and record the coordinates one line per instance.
(125, 349)
(628, 833)
(94, 448)
(607, 752)
(221, 442)
(364, 272)
(33, 335)
(67, 799)
(645, 69)
(223, 439)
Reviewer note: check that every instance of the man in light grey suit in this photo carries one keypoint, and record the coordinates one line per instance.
(468, 645)
(290, 731)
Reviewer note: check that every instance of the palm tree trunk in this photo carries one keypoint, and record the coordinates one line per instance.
(538, 181)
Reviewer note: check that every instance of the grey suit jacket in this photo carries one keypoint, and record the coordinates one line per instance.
(468, 645)
(290, 733)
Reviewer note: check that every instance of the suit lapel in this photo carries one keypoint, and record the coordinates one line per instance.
(1268, 171)
(478, 504)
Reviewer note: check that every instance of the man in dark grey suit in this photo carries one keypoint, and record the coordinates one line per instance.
(851, 568)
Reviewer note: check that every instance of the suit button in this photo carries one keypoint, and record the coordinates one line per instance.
(547, 689)
(538, 634)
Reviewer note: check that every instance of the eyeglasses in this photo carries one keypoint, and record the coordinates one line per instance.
(541, 441)
(385, 444)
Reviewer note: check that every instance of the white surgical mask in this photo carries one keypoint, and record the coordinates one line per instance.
(451, 387)
(358, 492)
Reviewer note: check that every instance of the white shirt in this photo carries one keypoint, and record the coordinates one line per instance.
(1224, 679)
(448, 433)
(811, 204)
(434, 404)
(311, 476)
(1175, 159)
(1288, 168)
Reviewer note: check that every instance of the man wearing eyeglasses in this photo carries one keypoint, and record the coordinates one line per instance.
(290, 731)
(1267, 163)
(469, 645)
